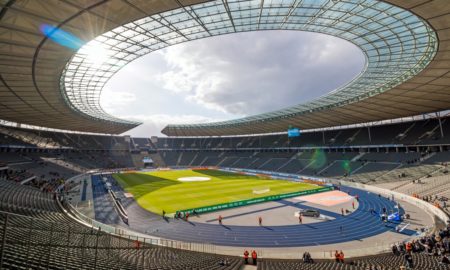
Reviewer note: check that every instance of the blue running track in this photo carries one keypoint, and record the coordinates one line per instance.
(358, 225)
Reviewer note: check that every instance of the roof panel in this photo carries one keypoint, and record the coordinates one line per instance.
(398, 44)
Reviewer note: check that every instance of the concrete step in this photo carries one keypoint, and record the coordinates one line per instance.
(248, 267)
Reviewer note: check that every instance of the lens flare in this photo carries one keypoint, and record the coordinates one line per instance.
(347, 166)
(319, 159)
(61, 37)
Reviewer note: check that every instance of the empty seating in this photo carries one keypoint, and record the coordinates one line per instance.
(384, 262)
(40, 236)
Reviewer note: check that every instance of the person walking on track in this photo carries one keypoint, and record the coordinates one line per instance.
(246, 257)
(254, 257)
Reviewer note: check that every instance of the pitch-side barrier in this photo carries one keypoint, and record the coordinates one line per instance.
(286, 253)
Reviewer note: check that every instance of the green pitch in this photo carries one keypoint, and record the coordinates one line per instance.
(161, 190)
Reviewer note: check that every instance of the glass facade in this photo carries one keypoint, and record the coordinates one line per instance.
(397, 45)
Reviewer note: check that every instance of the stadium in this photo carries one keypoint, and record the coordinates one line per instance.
(357, 178)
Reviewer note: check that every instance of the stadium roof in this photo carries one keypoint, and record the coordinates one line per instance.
(406, 43)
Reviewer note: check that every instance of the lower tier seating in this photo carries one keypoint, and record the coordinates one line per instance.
(38, 235)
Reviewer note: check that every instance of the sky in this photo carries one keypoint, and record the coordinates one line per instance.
(228, 77)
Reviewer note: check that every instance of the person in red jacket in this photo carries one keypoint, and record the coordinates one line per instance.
(246, 256)
(137, 244)
(408, 247)
(341, 256)
(254, 257)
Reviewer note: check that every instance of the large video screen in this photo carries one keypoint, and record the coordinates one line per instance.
(147, 160)
(293, 132)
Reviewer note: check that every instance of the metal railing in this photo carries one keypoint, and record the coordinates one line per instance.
(56, 241)
(373, 248)
(129, 234)
(33, 242)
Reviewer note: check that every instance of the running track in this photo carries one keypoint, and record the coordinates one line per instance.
(358, 225)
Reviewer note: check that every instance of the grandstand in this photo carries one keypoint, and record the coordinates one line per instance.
(381, 142)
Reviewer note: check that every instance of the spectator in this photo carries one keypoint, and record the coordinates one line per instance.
(409, 261)
(254, 257)
(137, 244)
(246, 256)
(341, 256)
(336, 256)
(307, 258)
(224, 262)
(408, 247)
(395, 250)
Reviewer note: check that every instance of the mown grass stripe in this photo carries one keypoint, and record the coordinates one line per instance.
(159, 190)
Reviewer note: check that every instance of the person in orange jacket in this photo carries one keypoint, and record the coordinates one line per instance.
(246, 256)
(341, 256)
(254, 257)
(408, 247)
(137, 244)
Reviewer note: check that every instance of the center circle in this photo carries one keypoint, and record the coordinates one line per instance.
(193, 179)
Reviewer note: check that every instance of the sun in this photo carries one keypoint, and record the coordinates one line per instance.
(96, 53)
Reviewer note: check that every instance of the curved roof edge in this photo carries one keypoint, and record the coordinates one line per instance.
(31, 64)
(426, 92)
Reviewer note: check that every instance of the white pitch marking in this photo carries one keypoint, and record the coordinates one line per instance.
(193, 179)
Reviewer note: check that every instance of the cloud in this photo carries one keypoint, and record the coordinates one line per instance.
(111, 100)
(251, 73)
(153, 124)
(230, 76)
